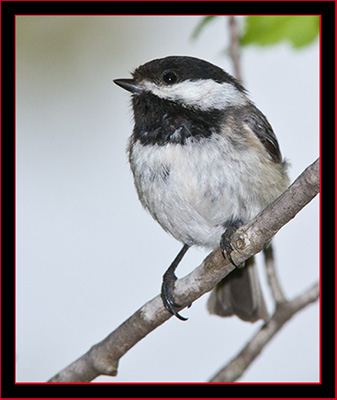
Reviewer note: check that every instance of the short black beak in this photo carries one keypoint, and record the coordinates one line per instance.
(128, 84)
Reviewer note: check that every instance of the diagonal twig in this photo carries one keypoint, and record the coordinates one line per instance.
(102, 358)
(272, 277)
(284, 311)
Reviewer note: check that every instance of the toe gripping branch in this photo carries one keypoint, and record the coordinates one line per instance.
(167, 287)
(169, 278)
(225, 242)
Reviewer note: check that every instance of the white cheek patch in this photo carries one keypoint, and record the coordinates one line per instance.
(205, 94)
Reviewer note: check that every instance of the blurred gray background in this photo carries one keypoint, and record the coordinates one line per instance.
(88, 255)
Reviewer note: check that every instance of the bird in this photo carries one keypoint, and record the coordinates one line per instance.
(205, 160)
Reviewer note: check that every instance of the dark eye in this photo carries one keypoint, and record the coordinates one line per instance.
(169, 77)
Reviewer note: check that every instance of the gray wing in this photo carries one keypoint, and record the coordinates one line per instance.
(262, 129)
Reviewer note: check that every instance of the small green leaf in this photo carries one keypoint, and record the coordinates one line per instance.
(268, 30)
(202, 25)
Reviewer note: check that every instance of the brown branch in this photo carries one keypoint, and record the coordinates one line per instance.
(277, 214)
(284, 311)
(102, 358)
(272, 277)
(234, 46)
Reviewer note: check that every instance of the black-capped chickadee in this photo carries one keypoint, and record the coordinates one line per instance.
(205, 160)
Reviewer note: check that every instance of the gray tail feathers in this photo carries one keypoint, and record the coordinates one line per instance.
(239, 294)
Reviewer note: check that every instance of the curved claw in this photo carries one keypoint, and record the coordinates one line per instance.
(171, 306)
(226, 252)
(167, 287)
(167, 296)
(225, 244)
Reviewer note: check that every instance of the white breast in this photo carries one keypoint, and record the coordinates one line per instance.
(192, 189)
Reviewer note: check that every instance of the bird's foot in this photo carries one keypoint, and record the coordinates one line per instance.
(167, 288)
(225, 244)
